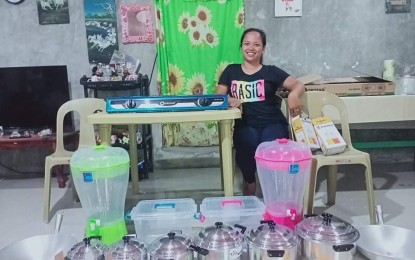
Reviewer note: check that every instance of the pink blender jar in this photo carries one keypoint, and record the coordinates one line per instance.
(283, 170)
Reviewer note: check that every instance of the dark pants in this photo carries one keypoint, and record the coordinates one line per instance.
(246, 139)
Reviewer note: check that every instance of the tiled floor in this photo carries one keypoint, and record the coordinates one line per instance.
(21, 200)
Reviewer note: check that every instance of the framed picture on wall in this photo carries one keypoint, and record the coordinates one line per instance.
(136, 24)
(284, 8)
(398, 6)
(53, 11)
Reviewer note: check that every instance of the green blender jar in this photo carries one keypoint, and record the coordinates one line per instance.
(100, 175)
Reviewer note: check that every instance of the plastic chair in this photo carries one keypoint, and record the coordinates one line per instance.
(314, 104)
(61, 156)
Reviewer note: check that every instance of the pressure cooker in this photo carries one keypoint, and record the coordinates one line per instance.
(128, 248)
(222, 241)
(270, 241)
(89, 248)
(326, 237)
(174, 247)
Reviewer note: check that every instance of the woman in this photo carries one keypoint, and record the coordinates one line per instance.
(251, 86)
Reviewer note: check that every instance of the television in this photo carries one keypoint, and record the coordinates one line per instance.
(30, 97)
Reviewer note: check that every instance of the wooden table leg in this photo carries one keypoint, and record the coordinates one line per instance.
(226, 155)
(132, 129)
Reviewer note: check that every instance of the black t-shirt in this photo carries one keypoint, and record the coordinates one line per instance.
(260, 106)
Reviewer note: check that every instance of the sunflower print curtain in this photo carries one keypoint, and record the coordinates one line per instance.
(196, 40)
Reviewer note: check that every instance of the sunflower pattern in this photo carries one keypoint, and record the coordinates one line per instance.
(176, 79)
(200, 33)
(197, 85)
(194, 43)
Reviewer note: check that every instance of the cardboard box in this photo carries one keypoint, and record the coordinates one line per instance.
(353, 86)
(331, 141)
(304, 132)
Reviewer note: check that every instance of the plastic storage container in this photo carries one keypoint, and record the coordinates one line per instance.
(284, 171)
(155, 218)
(405, 85)
(247, 211)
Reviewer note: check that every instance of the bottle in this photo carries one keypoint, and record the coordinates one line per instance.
(389, 70)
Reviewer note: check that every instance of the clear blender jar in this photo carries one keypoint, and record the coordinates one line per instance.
(100, 175)
(284, 171)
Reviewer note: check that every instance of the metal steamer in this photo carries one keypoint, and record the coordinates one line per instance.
(174, 247)
(327, 237)
(223, 242)
(270, 242)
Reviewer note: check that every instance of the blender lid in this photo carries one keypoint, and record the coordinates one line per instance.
(128, 248)
(89, 247)
(219, 237)
(327, 228)
(171, 246)
(270, 236)
(283, 150)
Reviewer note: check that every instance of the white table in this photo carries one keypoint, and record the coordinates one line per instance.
(224, 117)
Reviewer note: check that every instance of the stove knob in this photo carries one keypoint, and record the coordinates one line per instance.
(130, 103)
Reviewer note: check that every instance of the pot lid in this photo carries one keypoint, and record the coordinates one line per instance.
(327, 228)
(220, 237)
(128, 248)
(270, 236)
(171, 246)
(89, 248)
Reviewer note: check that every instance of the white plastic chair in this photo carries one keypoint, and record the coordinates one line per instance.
(314, 103)
(61, 156)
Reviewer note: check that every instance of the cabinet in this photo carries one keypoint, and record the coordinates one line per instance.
(145, 143)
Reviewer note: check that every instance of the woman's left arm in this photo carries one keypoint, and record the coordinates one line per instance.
(296, 89)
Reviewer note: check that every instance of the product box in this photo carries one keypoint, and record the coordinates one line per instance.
(156, 218)
(247, 211)
(353, 86)
(304, 132)
(331, 141)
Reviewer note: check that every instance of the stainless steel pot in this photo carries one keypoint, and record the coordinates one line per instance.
(173, 247)
(222, 241)
(129, 249)
(270, 242)
(327, 237)
(90, 248)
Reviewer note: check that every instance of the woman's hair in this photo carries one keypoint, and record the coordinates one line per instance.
(261, 33)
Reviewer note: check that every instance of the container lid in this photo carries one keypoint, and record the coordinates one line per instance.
(89, 248)
(283, 150)
(219, 237)
(167, 208)
(128, 248)
(270, 236)
(98, 159)
(230, 206)
(327, 228)
(172, 246)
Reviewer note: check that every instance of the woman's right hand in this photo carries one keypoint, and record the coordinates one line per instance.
(234, 102)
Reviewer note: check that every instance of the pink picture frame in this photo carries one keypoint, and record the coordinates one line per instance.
(137, 26)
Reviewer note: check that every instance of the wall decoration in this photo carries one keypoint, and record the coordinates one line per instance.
(284, 8)
(398, 6)
(101, 30)
(136, 23)
(53, 11)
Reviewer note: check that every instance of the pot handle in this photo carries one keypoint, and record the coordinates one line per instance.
(242, 228)
(199, 250)
(343, 248)
(275, 253)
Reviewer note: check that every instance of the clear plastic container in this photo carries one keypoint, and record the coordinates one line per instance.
(247, 211)
(100, 176)
(405, 85)
(155, 218)
(284, 171)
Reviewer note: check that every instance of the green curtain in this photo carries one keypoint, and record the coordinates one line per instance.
(196, 40)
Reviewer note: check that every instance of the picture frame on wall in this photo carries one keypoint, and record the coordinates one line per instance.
(287, 8)
(397, 6)
(136, 22)
(53, 11)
